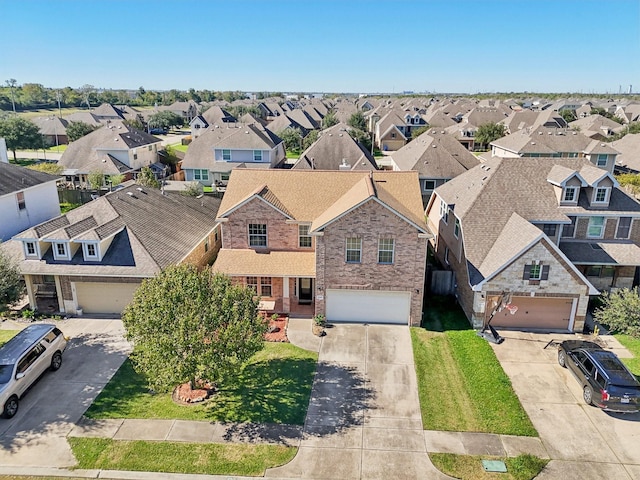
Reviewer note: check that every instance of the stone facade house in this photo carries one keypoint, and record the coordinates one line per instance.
(348, 245)
(550, 232)
(92, 259)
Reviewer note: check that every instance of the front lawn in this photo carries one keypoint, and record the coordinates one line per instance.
(274, 387)
(6, 335)
(469, 467)
(461, 384)
(633, 345)
(179, 147)
(211, 458)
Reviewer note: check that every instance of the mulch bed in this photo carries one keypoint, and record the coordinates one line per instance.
(185, 395)
(278, 329)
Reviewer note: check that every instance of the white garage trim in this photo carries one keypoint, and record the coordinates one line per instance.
(368, 306)
(103, 298)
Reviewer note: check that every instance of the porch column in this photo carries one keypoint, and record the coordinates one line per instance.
(32, 298)
(286, 304)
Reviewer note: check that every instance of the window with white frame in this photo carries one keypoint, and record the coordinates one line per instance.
(354, 250)
(444, 211)
(60, 250)
(304, 239)
(535, 271)
(20, 199)
(257, 155)
(91, 251)
(226, 154)
(601, 195)
(570, 194)
(201, 174)
(624, 227)
(602, 159)
(429, 184)
(265, 286)
(385, 250)
(252, 282)
(596, 227)
(446, 255)
(257, 234)
(456, 228)
(30, 249)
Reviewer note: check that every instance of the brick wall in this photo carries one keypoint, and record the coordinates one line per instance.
(370, 222)
(202, 255)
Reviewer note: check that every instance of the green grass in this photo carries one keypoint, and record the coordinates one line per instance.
(274, 387)
(212, 459)
(469, 467)
(67, 207)
(23, 162)
(633, 345)
(461, 384)
(179, 147)
(6, 335)
(207, 189)
(293, 155)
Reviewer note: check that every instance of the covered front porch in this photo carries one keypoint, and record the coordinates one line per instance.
(284, 281)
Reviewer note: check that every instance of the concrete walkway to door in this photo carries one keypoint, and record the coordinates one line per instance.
(364, 417)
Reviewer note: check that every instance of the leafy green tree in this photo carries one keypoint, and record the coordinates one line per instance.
(620, 312)
(357, 121)
(76, 130)
(568, 115)
(19, 133)
(329, 120)
(311, 137)
(50, 168)
(188, 325)
(292, 139)
(489, 132)
(134, 123)
(146, 178)
(11, 284)
(416, 132)
(362, 137)
(166, 120)
(193, 189)
(115, 180)
(96, 180)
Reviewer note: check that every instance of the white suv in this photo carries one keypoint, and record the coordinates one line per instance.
(24, 358)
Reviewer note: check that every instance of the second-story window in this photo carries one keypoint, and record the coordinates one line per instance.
(20, 199)
(92, 251)
(568, 231)
(456, 229)
(570, 194)
(257, 155)
(304, 239)
(354, 250)
(257, 234)
(549, 229)
(444, 211)
(385, 250)
(226, 155)
(201, 174)
(30, 249)
(624, 227)
(429, 185)
(596, 227)
(602, 160)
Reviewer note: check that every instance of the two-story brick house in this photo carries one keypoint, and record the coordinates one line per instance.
(549, 231)
(352, 245)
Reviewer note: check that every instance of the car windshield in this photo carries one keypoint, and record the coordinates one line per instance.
(5, 373)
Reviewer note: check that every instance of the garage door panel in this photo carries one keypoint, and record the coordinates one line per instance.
(545, 313)
(368, 306)
(104, 298)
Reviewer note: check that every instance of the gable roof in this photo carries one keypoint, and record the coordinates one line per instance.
(14, 178)
(319, 196)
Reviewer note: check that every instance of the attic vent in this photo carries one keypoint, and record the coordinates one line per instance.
(246, 131)
(540, 133)
(484, 178)
(442, 131)
(533, 143)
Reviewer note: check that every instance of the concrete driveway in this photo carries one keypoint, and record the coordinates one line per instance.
(582, 441)
(36, 436)
(364, 414)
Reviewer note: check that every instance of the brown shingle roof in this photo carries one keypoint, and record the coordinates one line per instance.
(275, 263)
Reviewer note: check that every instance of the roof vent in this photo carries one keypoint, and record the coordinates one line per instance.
(602, 144)
(540, 133)
(533, 143)
(442, 131)
(246, 131)
(575, 133)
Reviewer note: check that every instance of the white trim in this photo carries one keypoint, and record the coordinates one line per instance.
(266, 235)
(67, 250)
(572, 315)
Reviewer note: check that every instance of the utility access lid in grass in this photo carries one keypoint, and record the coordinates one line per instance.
(494, 466)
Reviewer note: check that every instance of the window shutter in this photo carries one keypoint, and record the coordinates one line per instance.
(526, 273)
(545, 272)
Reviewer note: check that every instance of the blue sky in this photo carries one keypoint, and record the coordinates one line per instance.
(328, 46)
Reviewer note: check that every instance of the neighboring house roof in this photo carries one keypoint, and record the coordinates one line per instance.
(51, 125)
(85, 117)
(14, 178)
(596, 123)
(335, 149)
(90, 153)
(435, 155)
(303, 118)
(106, 110)
(152, 231)
(486, 197)
(323, 196)
(629, 148)
(283, 122)
(216, 115)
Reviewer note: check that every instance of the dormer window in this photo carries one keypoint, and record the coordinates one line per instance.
(90, 251)
(60, 251)
(30, 249)
(570, 194)
(601, 195)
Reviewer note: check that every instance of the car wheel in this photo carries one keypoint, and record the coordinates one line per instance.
(10, 407)
(56, 361)
(562, 358)
(587, 394)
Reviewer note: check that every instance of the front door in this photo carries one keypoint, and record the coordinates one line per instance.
(304, 291)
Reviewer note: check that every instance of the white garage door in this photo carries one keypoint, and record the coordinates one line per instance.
(368, 306)
(108, 298)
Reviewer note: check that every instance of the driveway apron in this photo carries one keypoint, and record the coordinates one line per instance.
(364, 414)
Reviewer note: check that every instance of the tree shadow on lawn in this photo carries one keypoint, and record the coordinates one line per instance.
(442, 313)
